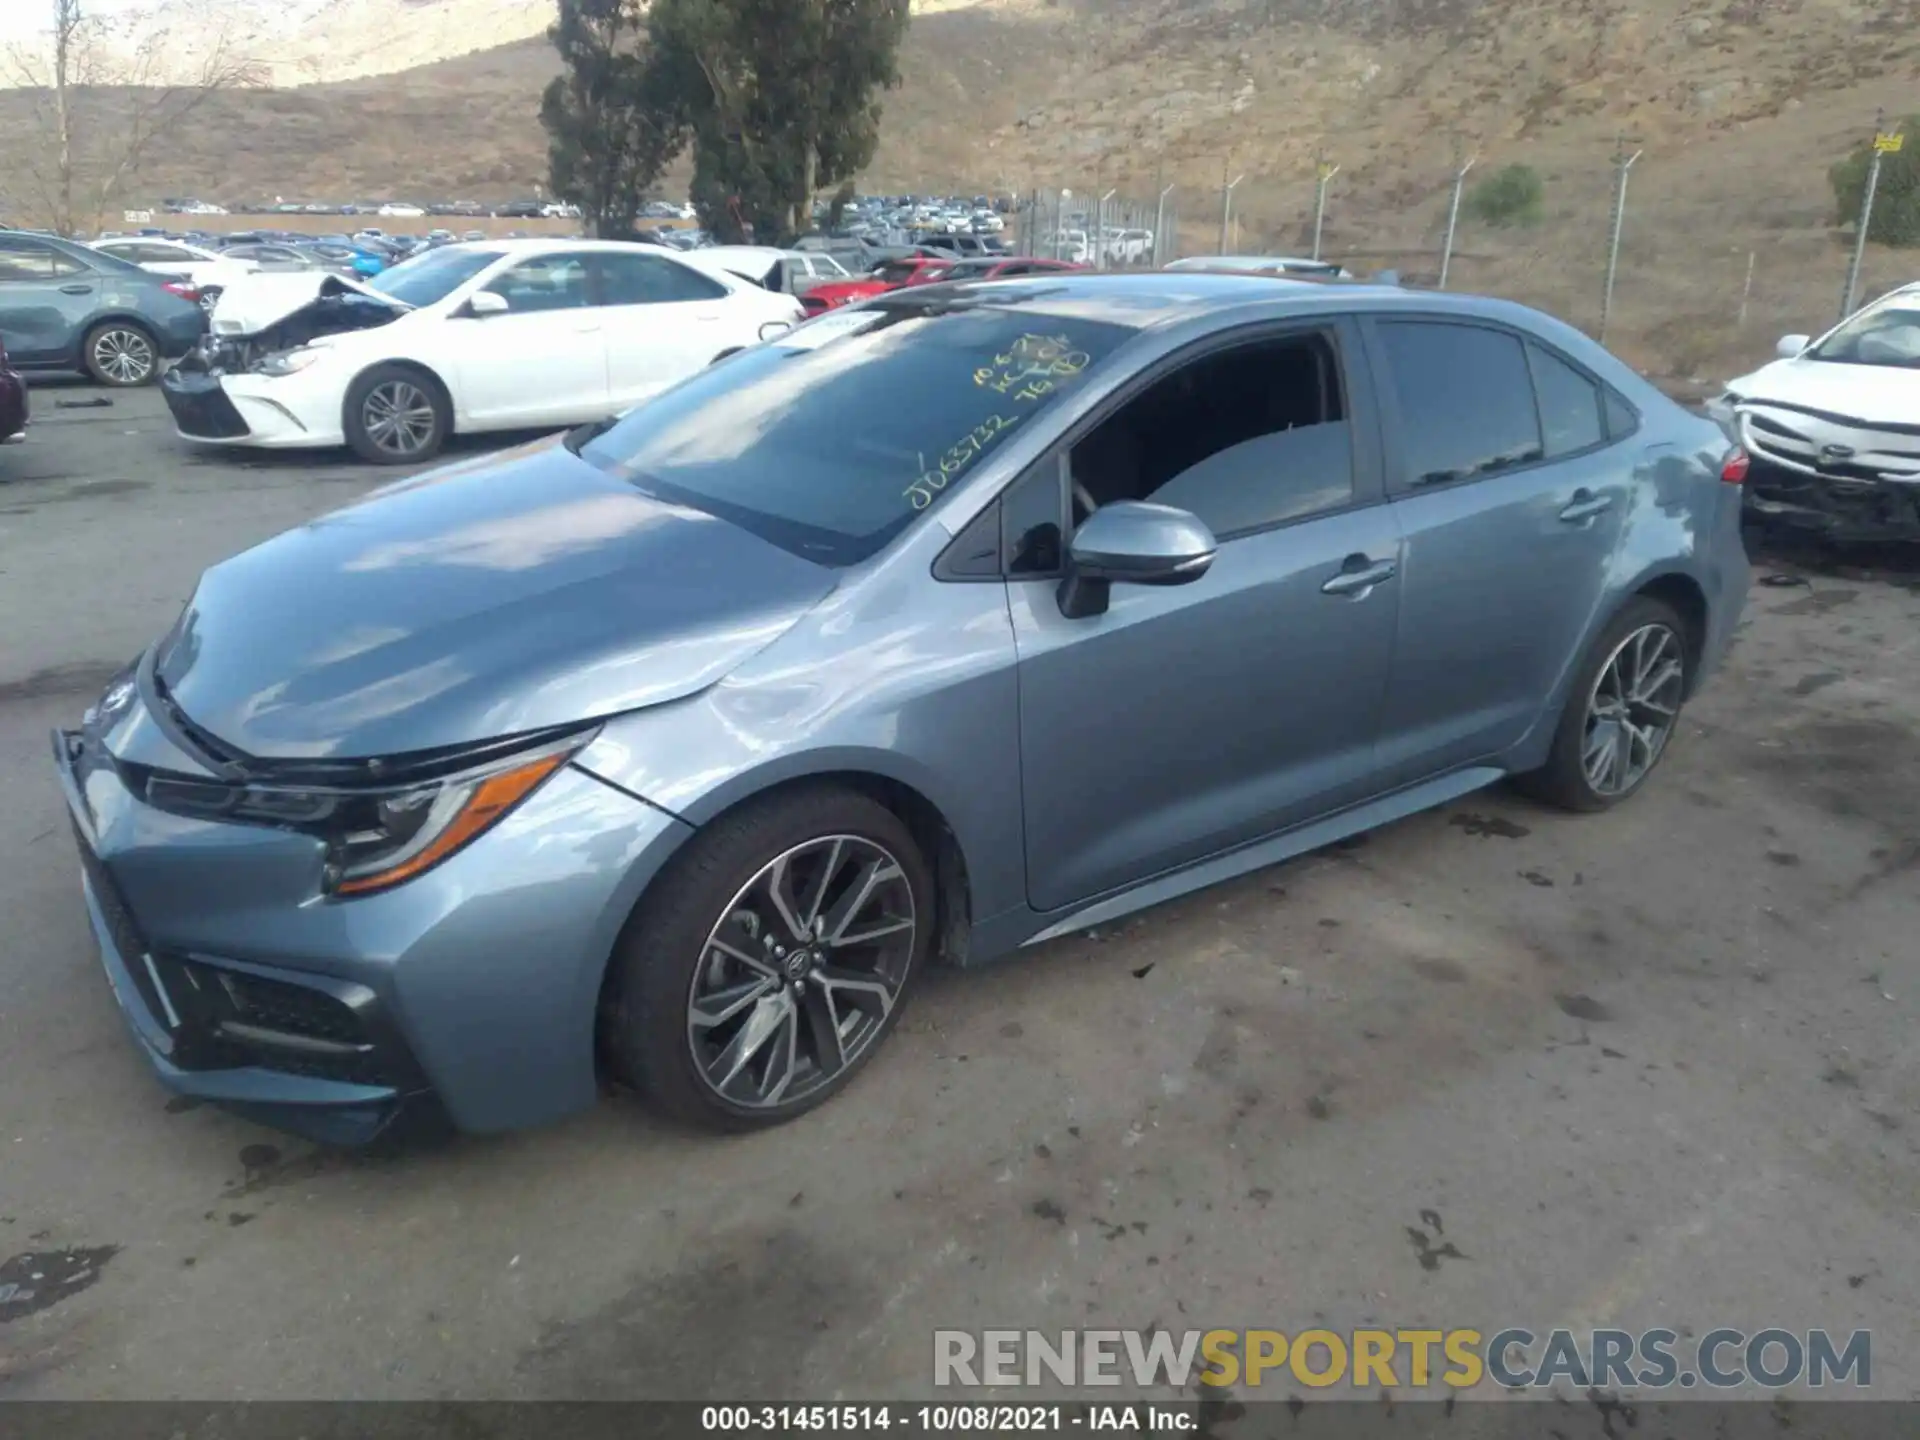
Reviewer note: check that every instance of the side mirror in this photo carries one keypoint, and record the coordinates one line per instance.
(1133, 542)
(487, 302)
(1791, 346)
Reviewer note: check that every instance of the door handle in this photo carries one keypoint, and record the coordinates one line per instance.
(76, 289)
(1358, 576)
(1584, 506)
(592, 328)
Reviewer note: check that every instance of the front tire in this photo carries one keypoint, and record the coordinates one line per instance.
(396, 415)
(121, 354)
(770, 960)
(1621, 712)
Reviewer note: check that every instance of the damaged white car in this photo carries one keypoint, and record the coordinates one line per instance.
(1833, 426)
(491, 335)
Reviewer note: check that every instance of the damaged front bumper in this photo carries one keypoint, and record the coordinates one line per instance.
(1829, 476)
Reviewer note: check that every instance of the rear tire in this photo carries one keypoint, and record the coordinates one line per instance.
(121, 354)
(717, 982)
(1621, 712)
(396, 415)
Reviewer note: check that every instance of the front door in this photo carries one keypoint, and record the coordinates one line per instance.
(541, 362)
(1185, 721)
(1512, 496)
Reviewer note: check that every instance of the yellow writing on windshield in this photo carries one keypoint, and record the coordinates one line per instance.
(1032, 366)
(952, 462)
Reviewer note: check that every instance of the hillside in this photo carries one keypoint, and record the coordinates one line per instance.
(1739, 107)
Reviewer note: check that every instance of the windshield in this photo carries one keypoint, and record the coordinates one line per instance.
(431, 276)
(1886, 335)
(831, 441)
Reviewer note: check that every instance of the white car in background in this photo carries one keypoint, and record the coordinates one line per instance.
(1832, 427)
(208, 271)
(787, 272)
(488, 335)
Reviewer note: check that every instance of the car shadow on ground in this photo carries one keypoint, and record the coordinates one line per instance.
(1787, 557)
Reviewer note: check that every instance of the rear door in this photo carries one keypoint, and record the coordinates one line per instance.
(542, 362)
(663, 321)
(1511, 497)
(46, 298)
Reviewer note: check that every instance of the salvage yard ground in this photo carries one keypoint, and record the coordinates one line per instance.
(1490, 1066)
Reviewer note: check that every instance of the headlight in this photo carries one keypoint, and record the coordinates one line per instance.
(378, 837)
(289, 362)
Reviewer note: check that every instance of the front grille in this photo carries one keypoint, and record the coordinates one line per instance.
(201, 407)
(239, 1017)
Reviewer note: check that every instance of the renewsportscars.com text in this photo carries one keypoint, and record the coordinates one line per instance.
(1459, 1359)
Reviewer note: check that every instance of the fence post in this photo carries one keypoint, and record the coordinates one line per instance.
(1160, 228)
(1885, 142)
(1623, 163)
(1326, 174)
(1746, 294)
(1099, 238)
(1453, 219)
(1226, 209)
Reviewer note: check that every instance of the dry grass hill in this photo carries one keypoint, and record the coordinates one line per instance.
(1737, 107)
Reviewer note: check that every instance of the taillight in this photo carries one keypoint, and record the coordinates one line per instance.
(182, 289)
(1733, 469)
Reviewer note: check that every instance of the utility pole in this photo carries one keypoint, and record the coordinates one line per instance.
(1622, 164)
(1885, 142)
(1325, 174)
(1453, 217)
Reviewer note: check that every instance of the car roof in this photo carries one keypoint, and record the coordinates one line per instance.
(1157, 299)
(553, 244)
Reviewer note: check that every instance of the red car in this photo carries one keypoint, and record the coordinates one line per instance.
(921, 270)
(13, 402)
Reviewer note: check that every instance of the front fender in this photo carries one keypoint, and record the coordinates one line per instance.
(929, 702)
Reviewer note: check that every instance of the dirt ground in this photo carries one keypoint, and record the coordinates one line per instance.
(1489, 1066)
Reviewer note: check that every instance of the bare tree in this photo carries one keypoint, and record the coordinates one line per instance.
(97, 111)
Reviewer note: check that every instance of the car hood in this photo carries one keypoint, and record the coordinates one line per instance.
(262, 300)
(1872, 394)
(503, 595)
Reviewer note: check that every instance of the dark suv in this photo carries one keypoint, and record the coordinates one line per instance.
(64, 306)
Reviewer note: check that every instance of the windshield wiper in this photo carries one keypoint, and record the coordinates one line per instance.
(581, 436)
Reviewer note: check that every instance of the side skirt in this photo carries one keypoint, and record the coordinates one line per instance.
(1235, 863)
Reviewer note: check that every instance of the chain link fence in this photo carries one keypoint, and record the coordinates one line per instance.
(1666, 258)
(1103, 228)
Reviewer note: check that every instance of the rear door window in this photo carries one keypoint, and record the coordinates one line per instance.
(1465, 400)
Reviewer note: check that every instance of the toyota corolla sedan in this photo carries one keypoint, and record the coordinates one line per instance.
(675, 750)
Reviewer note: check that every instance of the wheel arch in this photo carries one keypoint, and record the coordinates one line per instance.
(403, 362)
(1672, 586)
(113, 315)
(908, 798)
(1687, 598)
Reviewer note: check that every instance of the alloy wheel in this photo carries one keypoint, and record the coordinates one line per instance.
(1631, 712)
(399, 417)
(124, 357)
(799, 974)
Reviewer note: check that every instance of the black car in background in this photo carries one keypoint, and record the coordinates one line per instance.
(65, 306)
(13, 402)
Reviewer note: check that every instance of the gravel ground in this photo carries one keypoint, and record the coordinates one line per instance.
(1490, 1066)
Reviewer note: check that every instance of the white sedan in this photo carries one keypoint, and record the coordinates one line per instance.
(208, 271)
(488, 335)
